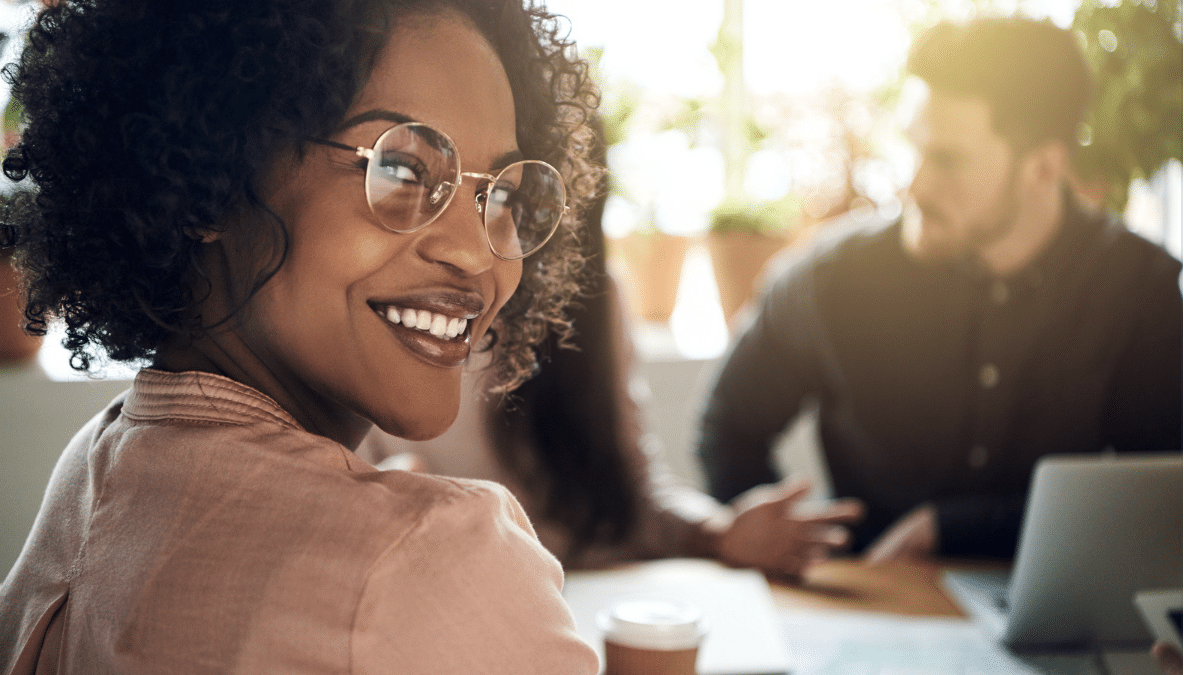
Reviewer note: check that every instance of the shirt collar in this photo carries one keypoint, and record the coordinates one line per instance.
(1061, 252)
(199, 396)
(1065, 248)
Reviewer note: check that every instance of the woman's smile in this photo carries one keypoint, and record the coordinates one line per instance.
(433, 326)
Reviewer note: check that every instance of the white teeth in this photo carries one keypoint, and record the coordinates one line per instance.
(438, 325)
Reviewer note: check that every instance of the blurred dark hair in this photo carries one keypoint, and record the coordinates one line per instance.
(1032, 74)
(569, 415)
(148, 122)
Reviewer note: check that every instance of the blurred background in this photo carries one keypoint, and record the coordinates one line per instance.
(736, 127)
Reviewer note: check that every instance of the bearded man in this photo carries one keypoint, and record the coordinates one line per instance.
(997, 321)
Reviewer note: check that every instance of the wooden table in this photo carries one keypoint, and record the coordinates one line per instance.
(915, 590)
(912, 588)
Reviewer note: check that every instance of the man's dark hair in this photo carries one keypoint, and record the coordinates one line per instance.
(1032, 75)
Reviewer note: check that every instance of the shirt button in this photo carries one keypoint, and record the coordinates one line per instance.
(999, 292)
(978, 457)
(988, 375)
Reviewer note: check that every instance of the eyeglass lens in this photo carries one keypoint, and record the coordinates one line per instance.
(414, 175)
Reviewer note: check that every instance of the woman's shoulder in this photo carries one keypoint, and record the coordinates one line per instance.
(442, 497)
(469, 571)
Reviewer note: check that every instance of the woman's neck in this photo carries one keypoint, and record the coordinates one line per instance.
(222, 353)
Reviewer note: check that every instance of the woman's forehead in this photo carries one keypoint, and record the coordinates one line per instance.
(441, 71)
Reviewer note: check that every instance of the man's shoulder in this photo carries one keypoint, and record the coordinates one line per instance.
(848, 240)
(1128, 252)
(853, 233)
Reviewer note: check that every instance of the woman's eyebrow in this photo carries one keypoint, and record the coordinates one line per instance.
(376, 114)
(502, 161)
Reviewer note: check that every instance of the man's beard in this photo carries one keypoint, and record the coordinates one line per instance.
(926, 225)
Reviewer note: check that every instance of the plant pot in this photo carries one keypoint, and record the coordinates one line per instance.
(738, 259)
(649, 267)
(15, 345)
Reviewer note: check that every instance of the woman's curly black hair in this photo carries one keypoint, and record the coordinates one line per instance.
(147, 122)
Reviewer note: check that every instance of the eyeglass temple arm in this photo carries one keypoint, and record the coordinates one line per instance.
(368, 153)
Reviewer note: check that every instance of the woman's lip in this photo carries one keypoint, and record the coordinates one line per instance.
(435, 351)
(449, 302)
(460, 304)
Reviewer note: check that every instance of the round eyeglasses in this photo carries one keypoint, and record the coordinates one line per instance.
(413, 172)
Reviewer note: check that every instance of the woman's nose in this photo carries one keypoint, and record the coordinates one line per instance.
(457, 239)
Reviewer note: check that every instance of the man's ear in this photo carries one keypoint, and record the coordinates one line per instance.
(1046, 165)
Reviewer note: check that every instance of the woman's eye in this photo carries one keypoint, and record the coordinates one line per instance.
(401, 172)
(501, 193)
(402, 168)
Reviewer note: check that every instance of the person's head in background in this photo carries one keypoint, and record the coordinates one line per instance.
(995, 136)
(187, 211)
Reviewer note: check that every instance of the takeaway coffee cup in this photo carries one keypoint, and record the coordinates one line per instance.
(646, 636)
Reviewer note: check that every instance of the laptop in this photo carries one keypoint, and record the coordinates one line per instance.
(1097, 530)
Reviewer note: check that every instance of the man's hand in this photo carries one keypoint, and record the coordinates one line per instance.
(1168, 658)
(765, 529)
(913, 537)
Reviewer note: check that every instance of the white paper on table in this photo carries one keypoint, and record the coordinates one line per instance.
(868, 643)
(743, 636)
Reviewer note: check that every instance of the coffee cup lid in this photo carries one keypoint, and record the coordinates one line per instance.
(652, 623)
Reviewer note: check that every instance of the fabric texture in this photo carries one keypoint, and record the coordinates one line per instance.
(194, 527)
(939, 383)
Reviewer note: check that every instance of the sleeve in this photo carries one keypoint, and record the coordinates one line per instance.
(974, 527)
(1145, 410)
(761, 385)
(468, 590)
(671, 508)
(668, 508)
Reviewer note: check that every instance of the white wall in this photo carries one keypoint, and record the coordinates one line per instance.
(38, 417)
(677, 390)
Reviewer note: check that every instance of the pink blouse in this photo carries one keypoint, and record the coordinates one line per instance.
(194, 527)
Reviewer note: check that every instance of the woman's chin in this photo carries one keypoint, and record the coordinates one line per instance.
(422, 427)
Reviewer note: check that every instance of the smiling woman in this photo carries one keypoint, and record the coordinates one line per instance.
(307, 214)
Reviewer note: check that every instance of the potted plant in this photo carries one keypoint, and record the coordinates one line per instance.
(646, 261)
(1134, 125)
(16, 346)
(741, 239)
(648, 264)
